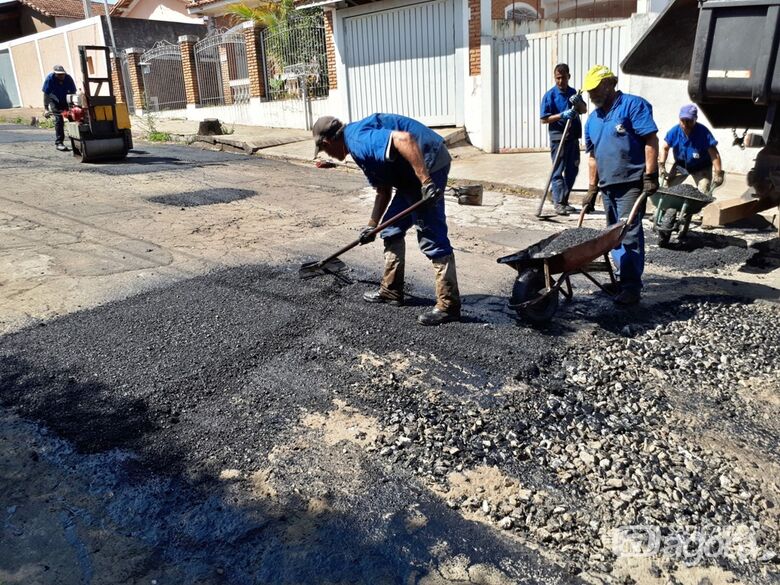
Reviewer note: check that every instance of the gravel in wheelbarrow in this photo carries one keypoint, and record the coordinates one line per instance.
(688, 192)
(564, 240)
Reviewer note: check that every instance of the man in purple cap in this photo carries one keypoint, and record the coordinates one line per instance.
(695, 153)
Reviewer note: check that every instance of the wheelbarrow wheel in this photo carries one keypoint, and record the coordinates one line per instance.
(529, 285)
(666, 226)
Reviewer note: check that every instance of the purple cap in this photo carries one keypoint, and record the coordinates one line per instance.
(689, 112)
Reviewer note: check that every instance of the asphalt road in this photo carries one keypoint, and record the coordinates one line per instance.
(195, 413)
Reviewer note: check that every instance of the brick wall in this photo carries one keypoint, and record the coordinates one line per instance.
(330, 50)
(224, 65)
(474, 34)
(254, 60)
(498, 8)
(116, 80)
(191, 91)
(136, 77)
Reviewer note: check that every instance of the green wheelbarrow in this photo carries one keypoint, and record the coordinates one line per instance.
(674, 208)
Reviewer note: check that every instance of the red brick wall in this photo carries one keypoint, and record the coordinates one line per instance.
(330, 50)
(253, 61)
(474, 34)
(191, 90)
(116, 80)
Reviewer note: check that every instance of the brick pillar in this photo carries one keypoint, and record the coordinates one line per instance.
(474, 40)
(136, 77)
(330, 50)
(224, 66)
(116, 79)
(187, 46)
(254, 59)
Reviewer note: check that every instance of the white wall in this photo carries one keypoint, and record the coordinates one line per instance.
(274, 114)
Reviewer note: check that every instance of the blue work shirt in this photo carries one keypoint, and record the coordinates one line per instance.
(59, 89)
(556, 101)
(616, 138)
(369, 142)
(691, 152)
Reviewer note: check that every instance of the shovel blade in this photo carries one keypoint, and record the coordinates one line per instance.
(313, 269)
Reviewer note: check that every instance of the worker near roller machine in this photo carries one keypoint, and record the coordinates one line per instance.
(695, 153)
(396, 152)
(56, 87)
(621, 139)
(559, 104)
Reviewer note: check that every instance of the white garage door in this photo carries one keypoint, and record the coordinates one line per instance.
(403, 61)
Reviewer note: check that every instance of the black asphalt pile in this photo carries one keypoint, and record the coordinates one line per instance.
(689, 192)
(203, 197)
(189, 374)
(700, 251)
(567, 239)
(594, 439)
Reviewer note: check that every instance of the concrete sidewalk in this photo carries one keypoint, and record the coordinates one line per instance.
(521, 173)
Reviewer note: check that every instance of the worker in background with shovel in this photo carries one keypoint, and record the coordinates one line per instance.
(396, 152)
(695, 153)
(560, 110)
(621, 139)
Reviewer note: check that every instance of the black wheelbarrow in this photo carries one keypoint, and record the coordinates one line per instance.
(543, 276)
(674, 208)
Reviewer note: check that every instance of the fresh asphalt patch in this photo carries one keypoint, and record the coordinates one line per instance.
(172, 387)
(203, 197)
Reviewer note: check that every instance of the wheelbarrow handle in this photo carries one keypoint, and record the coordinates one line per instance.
(411, 209)
(634, 211)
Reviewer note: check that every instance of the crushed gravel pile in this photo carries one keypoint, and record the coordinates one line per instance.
(593, 438)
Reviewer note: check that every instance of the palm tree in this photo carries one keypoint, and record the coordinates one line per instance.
(268, 14)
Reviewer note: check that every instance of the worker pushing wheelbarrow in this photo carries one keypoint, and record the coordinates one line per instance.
(544, 270)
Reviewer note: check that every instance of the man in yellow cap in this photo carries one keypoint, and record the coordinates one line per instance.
(621, 139)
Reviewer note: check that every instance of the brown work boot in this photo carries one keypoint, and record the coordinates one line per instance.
(447, 294)
(391, 289)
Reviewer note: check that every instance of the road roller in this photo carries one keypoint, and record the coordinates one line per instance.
(98, 126)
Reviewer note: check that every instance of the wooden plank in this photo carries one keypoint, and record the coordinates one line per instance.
(730, 210)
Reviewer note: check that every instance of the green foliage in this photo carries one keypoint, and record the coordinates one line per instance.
(157, 136)
(149, 125)
(46, 123)
(20, 120)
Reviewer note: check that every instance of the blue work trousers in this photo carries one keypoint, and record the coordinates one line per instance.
(629, 256)
(431, 222)
(565, 172)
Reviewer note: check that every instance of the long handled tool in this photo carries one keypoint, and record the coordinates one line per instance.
(332, 265)
(555, 164)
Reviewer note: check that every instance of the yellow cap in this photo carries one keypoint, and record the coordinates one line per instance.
(594, 76)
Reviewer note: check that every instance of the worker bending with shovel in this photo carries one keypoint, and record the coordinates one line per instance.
(396, 152)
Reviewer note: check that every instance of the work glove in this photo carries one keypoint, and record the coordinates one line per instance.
(663, 176)
(589, 203)
(366, 237)
(577, 101)
(47, 114)
(650, 183)
(717, 181)
(569, 114)
(430, 193)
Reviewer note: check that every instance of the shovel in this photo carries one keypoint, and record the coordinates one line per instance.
(332, 264)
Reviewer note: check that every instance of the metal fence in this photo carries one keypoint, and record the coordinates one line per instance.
(291, 48)
(126, 85)
(163, 77)
(222, 69)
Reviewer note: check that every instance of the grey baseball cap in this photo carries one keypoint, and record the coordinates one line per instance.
(324, 127)
(59, 69)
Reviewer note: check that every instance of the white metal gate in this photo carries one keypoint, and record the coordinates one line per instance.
(403, 61)
(524, 68)
(163, 77)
